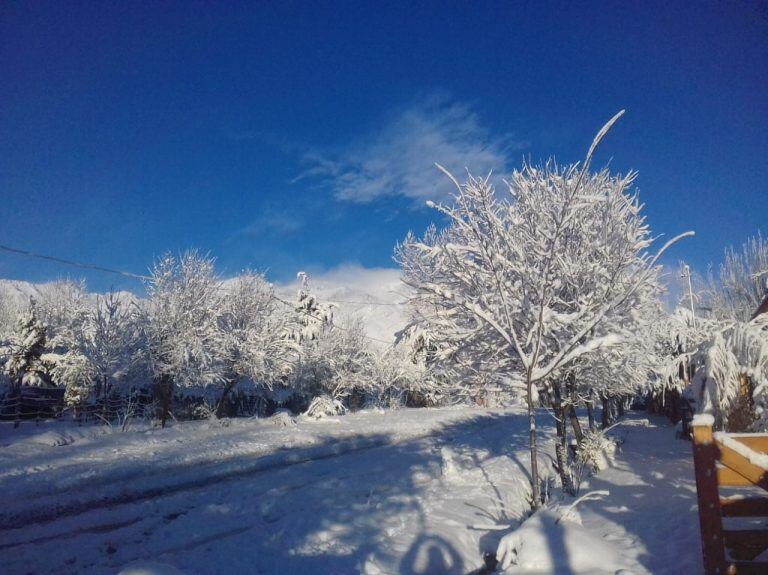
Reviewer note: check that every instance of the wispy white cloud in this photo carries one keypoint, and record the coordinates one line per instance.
(399, 158)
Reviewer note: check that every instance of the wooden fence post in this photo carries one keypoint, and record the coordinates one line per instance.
(705, 454)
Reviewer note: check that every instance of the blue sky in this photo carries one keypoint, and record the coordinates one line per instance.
(294, 135)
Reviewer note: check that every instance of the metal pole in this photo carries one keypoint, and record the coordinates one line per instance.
(687, 274)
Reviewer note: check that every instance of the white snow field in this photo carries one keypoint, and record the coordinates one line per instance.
(411, 491)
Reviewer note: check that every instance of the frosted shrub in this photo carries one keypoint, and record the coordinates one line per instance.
(283, 418)
(596, 451)
(324, 406)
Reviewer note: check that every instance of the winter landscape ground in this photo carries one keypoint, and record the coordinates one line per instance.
(405, 491)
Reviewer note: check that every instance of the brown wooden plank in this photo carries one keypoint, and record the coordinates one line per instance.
(744, 506)
(745, 544)
(710, 521)
(755, 442)
(729, 478)
(741, 465)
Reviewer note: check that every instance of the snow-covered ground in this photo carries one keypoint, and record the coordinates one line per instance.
(407, 491)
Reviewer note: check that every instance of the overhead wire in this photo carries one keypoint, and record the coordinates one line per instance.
(131, 275)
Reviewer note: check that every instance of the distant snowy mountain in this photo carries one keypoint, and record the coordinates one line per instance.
(22, 291)
(18, 290)
(374, 294)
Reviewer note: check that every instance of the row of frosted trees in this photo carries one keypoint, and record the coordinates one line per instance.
(198, 344)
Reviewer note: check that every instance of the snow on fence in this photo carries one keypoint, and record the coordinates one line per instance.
(738, 463)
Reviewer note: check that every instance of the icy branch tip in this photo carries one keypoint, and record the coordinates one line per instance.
(430, 204)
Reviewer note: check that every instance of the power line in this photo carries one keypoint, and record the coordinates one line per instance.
(73, 263)
(148, 278)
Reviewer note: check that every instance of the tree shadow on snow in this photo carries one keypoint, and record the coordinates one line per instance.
(348, 512)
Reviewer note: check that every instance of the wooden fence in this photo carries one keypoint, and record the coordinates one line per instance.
(733, 463)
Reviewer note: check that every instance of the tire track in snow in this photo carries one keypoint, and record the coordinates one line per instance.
(264, 464)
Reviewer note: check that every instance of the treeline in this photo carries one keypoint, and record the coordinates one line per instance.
(197, 345)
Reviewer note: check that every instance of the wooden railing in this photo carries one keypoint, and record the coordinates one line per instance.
(730, 461)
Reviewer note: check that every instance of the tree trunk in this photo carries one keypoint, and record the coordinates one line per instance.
(223, 399)
(606, 419)
(164, 390)
(561, 446)
(535, 487)
(576, 424)
(620, 405)
(591, 414)
(105, 399)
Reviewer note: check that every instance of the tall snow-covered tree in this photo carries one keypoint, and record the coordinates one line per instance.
(313, 316)
(185, 344)
(25, 349)
(112, 342)
(533, 278)
(741, 282)
(253, 327)
(65, 307)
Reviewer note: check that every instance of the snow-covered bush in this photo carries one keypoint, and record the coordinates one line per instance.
(325, 406)
(74, 372)
(283, 418)
(595, 451)
(734, 375)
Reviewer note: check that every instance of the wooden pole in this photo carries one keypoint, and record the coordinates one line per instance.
(705, 454)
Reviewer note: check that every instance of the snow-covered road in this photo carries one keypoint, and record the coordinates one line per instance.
(375, 493)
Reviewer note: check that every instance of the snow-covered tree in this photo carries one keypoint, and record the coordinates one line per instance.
(181, 325)
(337, 363)
(531, 279)
(741, 282)
(253, 327)
(112, 341)
(313, 316)
(65, 307)
(24, 351)
(726, 348)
